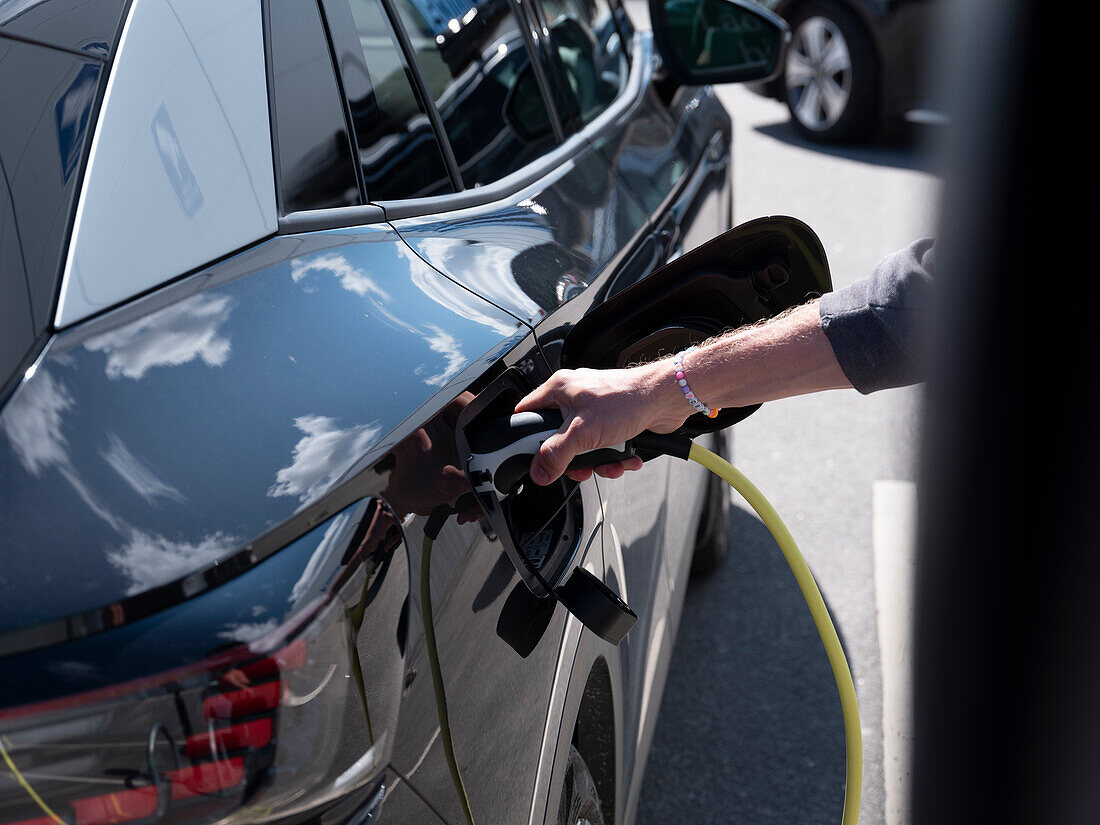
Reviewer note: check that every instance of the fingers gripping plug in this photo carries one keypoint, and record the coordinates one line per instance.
(502, 450)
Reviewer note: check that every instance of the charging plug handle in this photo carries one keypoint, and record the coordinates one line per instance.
(503, 448)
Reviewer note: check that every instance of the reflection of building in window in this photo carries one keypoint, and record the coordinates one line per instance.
(475, 62)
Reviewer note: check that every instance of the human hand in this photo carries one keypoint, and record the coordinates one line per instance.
(426, 470)
(602, 408)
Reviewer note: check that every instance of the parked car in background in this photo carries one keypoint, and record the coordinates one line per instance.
(854, 66)
(255, 258)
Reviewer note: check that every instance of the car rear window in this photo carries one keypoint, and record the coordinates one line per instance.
(314, 151)
(46, 103)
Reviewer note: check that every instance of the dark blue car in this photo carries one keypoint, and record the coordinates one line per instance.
(255, 260)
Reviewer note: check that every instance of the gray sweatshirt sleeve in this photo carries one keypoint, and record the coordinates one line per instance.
(877, 326)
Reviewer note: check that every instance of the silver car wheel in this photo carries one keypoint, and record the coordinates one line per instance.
(818, 73)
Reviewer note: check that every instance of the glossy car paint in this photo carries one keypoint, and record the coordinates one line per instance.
(567, 238)
(88, 26)
(238, 414)
(176, 430)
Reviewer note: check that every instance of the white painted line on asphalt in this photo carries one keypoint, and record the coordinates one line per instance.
(893, 524)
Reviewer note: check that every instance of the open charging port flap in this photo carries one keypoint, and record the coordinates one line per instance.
(542, 529)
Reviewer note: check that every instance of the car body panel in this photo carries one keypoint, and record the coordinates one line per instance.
(89, 26)
(174, 431)
(487, 622)
(547, 254)
(185, 460)
(180, 172)
(349, 573)
(540, 248)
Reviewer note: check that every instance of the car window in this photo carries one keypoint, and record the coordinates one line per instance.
(397, 147)
(591, 57)
(477, 68)
(314, 152)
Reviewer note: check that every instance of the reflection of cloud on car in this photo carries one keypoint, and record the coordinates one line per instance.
(256, 259)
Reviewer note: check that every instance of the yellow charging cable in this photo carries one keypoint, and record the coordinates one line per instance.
(853, 734)
(437, 678)
(22, 780)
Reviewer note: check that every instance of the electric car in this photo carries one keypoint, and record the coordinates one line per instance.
(256, 262)
(856, 65)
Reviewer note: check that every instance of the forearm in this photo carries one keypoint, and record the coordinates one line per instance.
(785, 356)
(788, 355)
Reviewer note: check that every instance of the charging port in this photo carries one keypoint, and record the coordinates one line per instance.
(540, 527)
(545, 522)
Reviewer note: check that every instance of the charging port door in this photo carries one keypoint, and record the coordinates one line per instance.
(751, 272)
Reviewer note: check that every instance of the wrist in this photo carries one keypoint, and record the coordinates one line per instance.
(666, 408)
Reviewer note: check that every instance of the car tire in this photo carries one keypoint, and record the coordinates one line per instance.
(712, 538)
(580, 801)
(831, 74)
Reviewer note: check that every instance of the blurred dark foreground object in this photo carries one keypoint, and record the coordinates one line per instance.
(1007, 665)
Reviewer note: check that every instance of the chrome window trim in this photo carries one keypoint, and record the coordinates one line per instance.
(641, 71)
(630, 99)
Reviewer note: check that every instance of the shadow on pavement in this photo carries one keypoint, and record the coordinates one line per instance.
(901, 146)
(750, 727)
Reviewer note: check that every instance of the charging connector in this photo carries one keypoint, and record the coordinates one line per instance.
(502, 449)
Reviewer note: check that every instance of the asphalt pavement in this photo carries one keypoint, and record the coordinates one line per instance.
(750, 727)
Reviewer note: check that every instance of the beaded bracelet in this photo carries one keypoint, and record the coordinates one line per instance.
(681, 379)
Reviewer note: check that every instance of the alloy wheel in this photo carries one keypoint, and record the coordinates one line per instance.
(818, 74)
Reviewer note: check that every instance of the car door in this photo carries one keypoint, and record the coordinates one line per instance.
(557, 238)
(412, 73)
(189, 468)
(651, 145)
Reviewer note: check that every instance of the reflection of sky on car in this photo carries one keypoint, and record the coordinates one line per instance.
(479, 246)
(354, 333)
(239, 610)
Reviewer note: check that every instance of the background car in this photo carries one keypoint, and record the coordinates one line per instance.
(854, 66)
(255, 259)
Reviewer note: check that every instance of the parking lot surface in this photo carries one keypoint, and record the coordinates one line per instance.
(750, 727)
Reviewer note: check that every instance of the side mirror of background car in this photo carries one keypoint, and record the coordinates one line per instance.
(718, 41)
(751, 272)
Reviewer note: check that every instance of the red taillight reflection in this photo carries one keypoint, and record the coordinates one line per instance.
(244, 702)
(123, 806)
(127, 806)
(207, 778)
(239, 719)
(254, 734)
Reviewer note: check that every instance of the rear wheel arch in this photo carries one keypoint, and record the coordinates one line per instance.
(595, 736)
